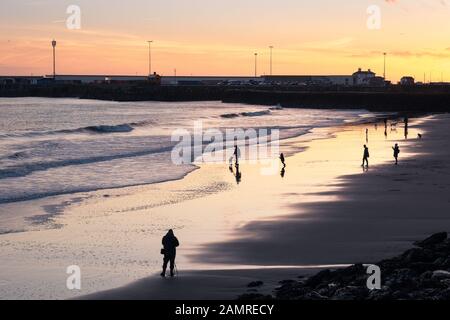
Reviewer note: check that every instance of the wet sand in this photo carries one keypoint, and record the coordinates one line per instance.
(316, 214)
(357, 218)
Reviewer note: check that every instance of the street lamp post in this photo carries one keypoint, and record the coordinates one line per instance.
(54, 59)
(271, 49)
(150, 57)
(256, 64)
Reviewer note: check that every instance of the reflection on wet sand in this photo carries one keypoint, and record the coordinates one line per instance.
(207, 206)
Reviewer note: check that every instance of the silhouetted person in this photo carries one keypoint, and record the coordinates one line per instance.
(396, 152)
(367, 135)
(237, 154)
(283, 172)
(230, 161)
(170, 244)
(385, 124)
(282, 160)
(419, 135)
(238, 174)
(366, 156)
(406, 127)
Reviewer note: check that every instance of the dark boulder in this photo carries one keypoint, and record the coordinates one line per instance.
(322, 276)
(255, 297)
(433, 240)
(255, 284)
(418, 255)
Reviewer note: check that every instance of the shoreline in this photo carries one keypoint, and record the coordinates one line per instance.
(195, 166)
(133, 290)
(87, 217)
(398, 99)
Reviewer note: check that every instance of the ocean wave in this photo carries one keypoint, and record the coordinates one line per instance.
(256, 113)
(73, 189)
(229, 115)
(246, 114)
(99, 129)
(26, 169)
(110, 129)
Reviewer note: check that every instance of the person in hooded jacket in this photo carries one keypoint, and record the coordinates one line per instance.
(170, 244)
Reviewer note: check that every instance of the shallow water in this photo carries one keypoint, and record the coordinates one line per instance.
(57, 146)
(114, 235)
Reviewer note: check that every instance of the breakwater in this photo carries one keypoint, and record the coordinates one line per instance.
(392, 99)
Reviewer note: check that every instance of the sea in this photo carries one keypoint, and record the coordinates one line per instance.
(59, 146)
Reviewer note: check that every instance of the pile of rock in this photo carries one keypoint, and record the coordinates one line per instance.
(421, 273)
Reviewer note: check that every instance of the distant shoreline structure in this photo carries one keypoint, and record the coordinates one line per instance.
(393, 98)
(359, 78)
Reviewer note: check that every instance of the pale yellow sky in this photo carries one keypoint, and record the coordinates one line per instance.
(211, 37)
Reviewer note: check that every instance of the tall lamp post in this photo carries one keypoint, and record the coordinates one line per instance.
(150, 57)
(271, 49)
(54, 59)
(256, 64)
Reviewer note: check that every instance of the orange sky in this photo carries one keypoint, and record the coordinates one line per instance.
(209, 37)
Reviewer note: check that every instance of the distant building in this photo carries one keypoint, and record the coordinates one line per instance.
(86, 79)
(363, 78)
(407, 81)
(208, 80)
(19, 80)
(341, 80)
(378, 82)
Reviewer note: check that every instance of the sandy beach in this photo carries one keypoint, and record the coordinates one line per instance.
(359, 218)
(325, 211)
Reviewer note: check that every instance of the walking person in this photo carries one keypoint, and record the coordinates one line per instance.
(366, 156)
(282, 159)
(170, 244)
(396, 153)
(237, 154)
(230, 161)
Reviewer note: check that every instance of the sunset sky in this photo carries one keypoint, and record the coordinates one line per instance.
(212, 37)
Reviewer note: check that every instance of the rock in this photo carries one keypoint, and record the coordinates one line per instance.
(421, 267)
(426, 275)
(350, 293)
(313, 295)
(379, 295)
(291, 292)
(433, 240)
(418, 255)
(421, 273)
(446, 282)
(443, 295)
(255, 297)
(445, 264)
(439, 261)
(440, 275)
(322, 276)
(284, 282)
(255, 284)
